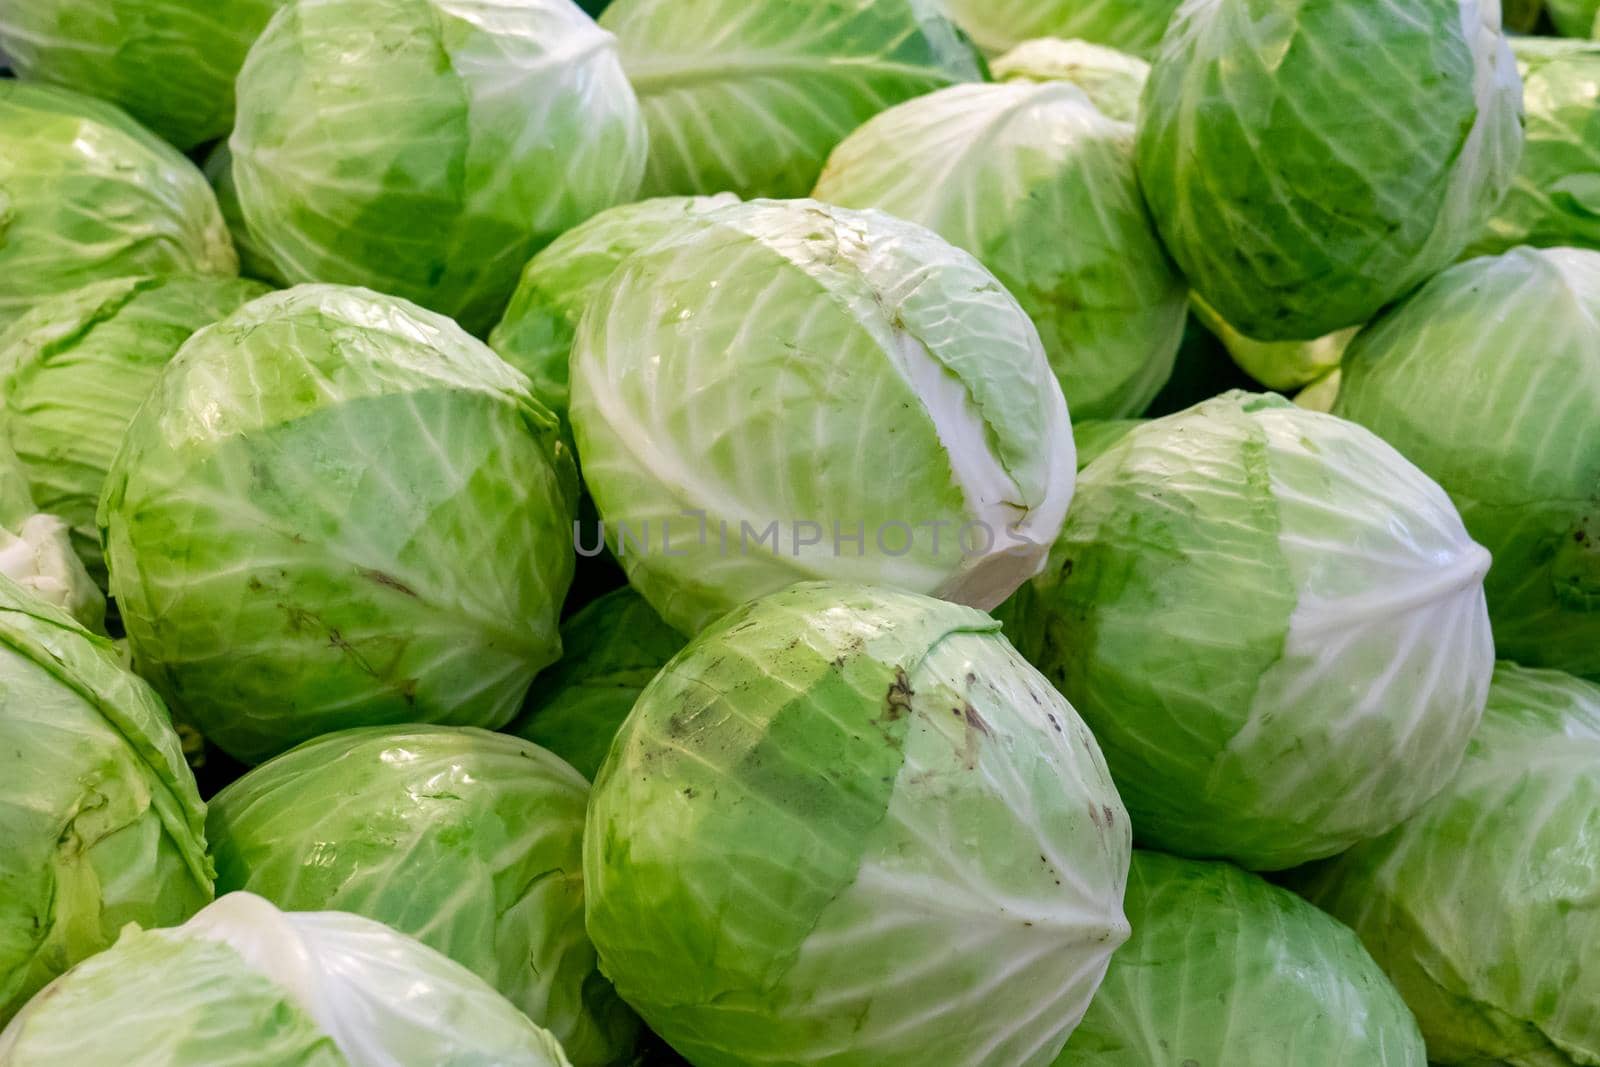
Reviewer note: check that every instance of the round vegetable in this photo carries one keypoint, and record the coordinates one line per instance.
(76, 367)
(535, 335)
(1274, 624)
(1224, 968)
(786, 390)
(1111, 79)
(337, 509)
(852, 826)
(243, 982)
(1574, 18)
(89, 195)
(469, 841)
(1555, 199)
(170, 63)
(1038, 184)
(1488, 378)
(1483, 907)
(754, 107)
(100, 817)
(1309, 161)
(427, 148)
(610, 652)
(1133, 26)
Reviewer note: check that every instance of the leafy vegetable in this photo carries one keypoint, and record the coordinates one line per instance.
(466, 840)
(1131, 25)
(1483, 907)
(1488, 378)
(1555, 199)
(170, 63)
(36, 552)
(1113, 80)
(1274, 624)
(427, 148)
(535, 335)
(76, 367)
(253, 260)
(610, 652)
(1224, 968)
(878, 833)
(337, 509)
(749, 96)
(88, 195)
(1039, 185)
(776, 378)
(1308, 162)
(100, 818)
(1574, 18)
(242, 982)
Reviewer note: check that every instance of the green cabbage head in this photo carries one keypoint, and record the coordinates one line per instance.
(750, 96)
(1038, 183)
(337, 509)
(1484, 907)
(1555, 199)
(609, 652)
(1274, 624)
(1133, 26)
(88, 194)
(535, 335)
(1488, 378)
(1113, 80)
(170, 63)
(1309, 161)
(783, 390)
(427, 148)
(469, 841)
(245, 983)
(100, 817)
(76, 367)
(851, 826)
(1224, 968)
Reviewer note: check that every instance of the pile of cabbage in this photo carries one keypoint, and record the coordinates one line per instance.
(800, 533)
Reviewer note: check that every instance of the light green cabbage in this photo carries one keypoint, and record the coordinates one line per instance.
(245, 983)
(253, 259)
(1281, 365)
(1555, 198)
(749, 96)
(535, 334)
(427, 148)
(1485, 906)
(1488, 379)
(36, 550)
(1307, 162)
(610, 652)
(1113, 80)
(775, 379)
(100, 817)
(1133, 26)
(1274, 624)
(75, 368)
(1038, 184)
(170, 63)
(850, 826)
(337, 509)
(1226, 969)
(87, 194)
(469, 841)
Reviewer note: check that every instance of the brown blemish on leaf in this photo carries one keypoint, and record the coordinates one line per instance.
(899, 695)
(388, 580)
